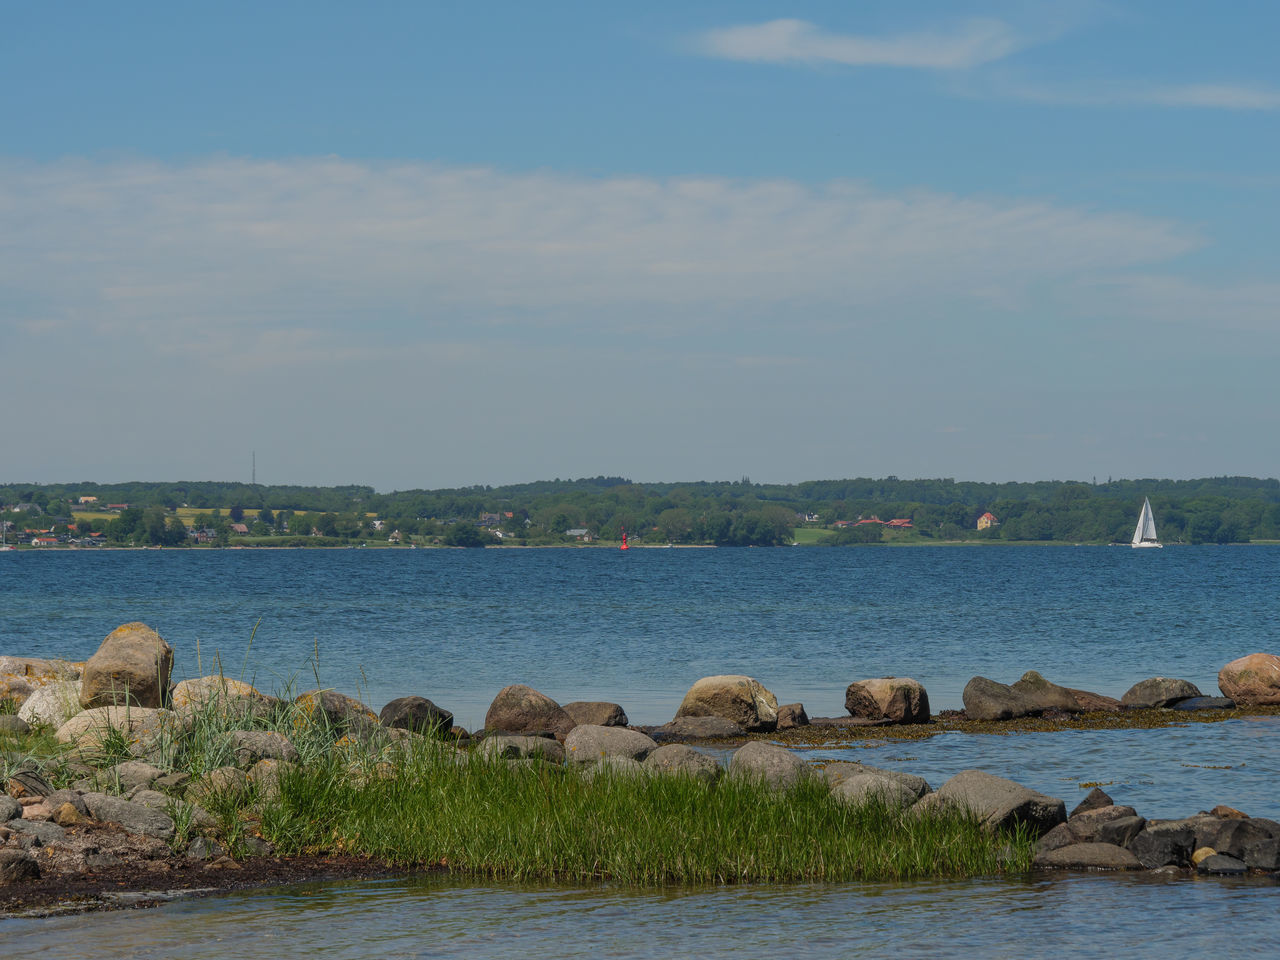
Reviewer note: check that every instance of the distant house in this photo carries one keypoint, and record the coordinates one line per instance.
(394, 536)
(84, 500)
(988, 519)
(902, 523)
(581, 533)
(240, 528)
(117, 506)
(44, 541)
(871, 519)
(489, 520)
(807, 517)
(379, 524)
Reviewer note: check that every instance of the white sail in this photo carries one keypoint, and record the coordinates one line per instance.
(1145, 533)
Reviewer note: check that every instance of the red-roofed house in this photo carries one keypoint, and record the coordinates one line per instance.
(988, 519)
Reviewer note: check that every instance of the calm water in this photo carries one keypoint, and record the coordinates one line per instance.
(639, 628)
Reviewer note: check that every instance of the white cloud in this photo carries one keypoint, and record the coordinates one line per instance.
(212, 251)
(970, 44)
(1207, 96)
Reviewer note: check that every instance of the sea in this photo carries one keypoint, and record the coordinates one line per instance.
(638, 628)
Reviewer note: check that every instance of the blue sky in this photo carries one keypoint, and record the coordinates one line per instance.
(419, 245)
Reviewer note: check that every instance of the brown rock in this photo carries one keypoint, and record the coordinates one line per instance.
(216, 690)
(897, 699)
(17, 866)
(132, 665)
(521, 709)
(1092, 702)
(597, 713)
(1252, 681)
(741, 699)
(67, 815)
(792, 715)
(1223, 812)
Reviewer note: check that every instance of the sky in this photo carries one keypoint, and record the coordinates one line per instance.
(418, 245)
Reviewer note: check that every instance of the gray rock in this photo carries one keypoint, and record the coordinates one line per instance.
(1042, 696)
(42, 831)
(776, 766)
(519, 709)
(596, 712)
(132, 665)
(587, 743)
(864, 788)
(839, 770)
(1256, 842)
(17, 866)
(1000, 803)
(250, 746)
(614, 767)
(133, 817)
(53, 704)
(679, 759)
(741, 699)
(792, 715)
(1170, 842)
(697, 728)
(501, 746)
(417, 714)
(1222, 865)
(28, 783)
(9, 808)
(256, 847)
(219, 782)
(987, 699)
(174, 783)
(56, 799)
(131, 774)
(203, 848)
(1121, 831)
(14, 726)
(1091, 826)
(1097, 797)
(1087, 856)
(1159, 692)
(154, 800)
(1205, 703)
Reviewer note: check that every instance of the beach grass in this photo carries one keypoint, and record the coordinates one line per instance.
(534, 821)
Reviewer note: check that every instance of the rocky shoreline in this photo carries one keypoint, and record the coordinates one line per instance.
(122, 789)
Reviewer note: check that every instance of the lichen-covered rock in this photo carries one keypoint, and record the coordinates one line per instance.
(417, 714)
(132, 665)
(336, 708)
(1253, 680)
(39, 668)
(679, 759)
(776, 766)
(200, 693)
(140, 727)
(521, 709)
(740, 699)
(223, 781)
(52, 704)
(598, 713)
(587, 743)
(896, 699)
(1159, 692)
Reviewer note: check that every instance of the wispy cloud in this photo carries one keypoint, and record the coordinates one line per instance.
(1206, 96)
(970, 44)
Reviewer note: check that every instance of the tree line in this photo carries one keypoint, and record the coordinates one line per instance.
(726, 513)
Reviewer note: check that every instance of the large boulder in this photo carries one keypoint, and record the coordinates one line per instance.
(38, 668)
(997, 802)
(863, 788)
(680, 759)
(776, 766)
(792, 715)
(134, 817)
(522, 709)
(417, 714)
(132, 665)
(838, 771)
(250, 746)
(1031, 695)
(1087, 856)
(1168, 843)
(1252, 681)
(599, 713)
(1159, 692)
(734, 697)
(53, 704)
(897, 699)
(587, 743)
(335, 708)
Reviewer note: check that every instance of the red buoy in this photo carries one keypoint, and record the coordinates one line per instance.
(624, 539)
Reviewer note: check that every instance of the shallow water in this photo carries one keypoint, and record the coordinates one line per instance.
(639, 628)
(1123, 916)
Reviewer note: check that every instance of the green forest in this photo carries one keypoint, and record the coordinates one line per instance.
(722, 513)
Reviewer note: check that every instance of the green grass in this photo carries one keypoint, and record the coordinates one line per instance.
(808, 536)
(541, 822)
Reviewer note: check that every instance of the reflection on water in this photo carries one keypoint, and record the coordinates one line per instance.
(431, 918)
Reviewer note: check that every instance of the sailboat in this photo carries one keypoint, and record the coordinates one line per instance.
(1145, 533)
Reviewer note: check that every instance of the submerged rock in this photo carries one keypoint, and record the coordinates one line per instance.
(1087, 856)
(696, 728)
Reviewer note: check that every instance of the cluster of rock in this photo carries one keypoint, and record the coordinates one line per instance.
(1101, 835)
(121, 701)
